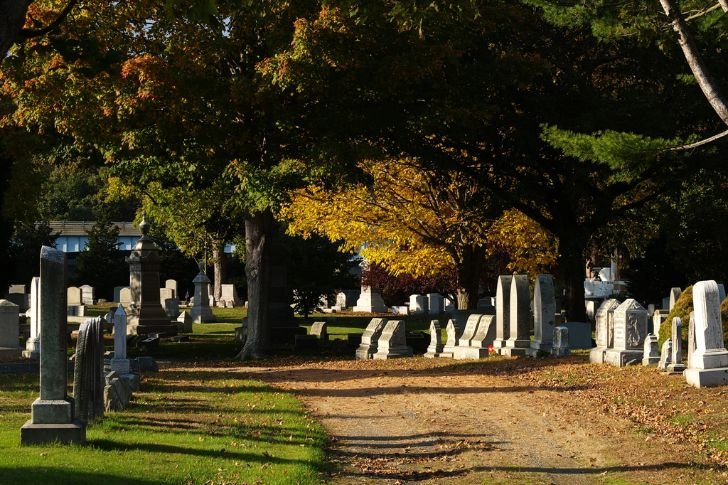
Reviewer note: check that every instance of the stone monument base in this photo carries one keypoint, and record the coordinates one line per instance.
(363, 354)
(465, 353)
(623, 358)
(515, 348)
(432, 354)
(706, 377)
(596, 355)
(674, 369)
(395, 353)
(651, 360)
(38, 434)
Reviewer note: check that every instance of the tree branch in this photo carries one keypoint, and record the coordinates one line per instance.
(699, 143)
(28, 33)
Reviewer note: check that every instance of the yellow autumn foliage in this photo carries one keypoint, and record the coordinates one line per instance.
(413, 221)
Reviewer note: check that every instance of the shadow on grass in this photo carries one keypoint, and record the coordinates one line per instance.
(41, 475)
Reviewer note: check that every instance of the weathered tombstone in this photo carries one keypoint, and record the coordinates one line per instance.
(320, 330)
(518, 340)
(630, 330)
(560, 342)
(417, 304)
(9, 330)
(341, 300)
(435, 347)
(172, 285)
(650, 310)
(88, 376)
(369, 302)
(676, 366)
(171, 307)
(17, 289)
(477, 346)
(32, 345)
(709, 360)
(392, 343)
(146, 315)
(117, 293)
(435, 303)
(674, 295)
(471, 326)
(73, 296)
(544, 308)
(88, 295)
(166, 294)
(370, 338)
(120, 364)
(604, 318)
(184, 323)
(16, 294)
(125, 296)
(52, 417)
(229, 294)
(657, 318)
(448, 350)
(201, 311)
(665, 355)
(651, 352)
(502, 311)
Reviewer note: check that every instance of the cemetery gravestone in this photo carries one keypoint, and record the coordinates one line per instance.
(519, 340)
(630, 331)
(370, 338)
(435, 347)
(229, 294)
(171, 307)
(392, 343)
(73, 295)
(184, 323)
(417, 304)
(691, 337)
(52, 416)
(657, 318)
(88, 295)
(32, 345)
(172, 285)
(560, 342)
(674, 295)
(665, 355)
(544, 308)
(125, 296)
(341, 300)
(165, 294)
(709, 360)
(9, 330)
(88, 376)
(448, 350)
(117, 293)
(651, 353)
(120, 364)
(201, 311)
(370, 302)
(320, 330)
(676, 366)
(604, 318)
(435, 303)
(471, 326)
(477, 346)
(502, 311)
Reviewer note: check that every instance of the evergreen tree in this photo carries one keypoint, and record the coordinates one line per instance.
(102, 264)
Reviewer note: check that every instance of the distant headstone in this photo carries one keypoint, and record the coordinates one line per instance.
(435, 347)
(651, 352)
(17, 295)
(502, 311)
(630, 331)
(32, 345)
(676, 366)
(172, 285)
(9, 330)
(448, 350)
(520, 314)
(184, 323)
(658, 317)
(73, 296)
(392, 343)
(544, 308)
(370, 338)
(320, 330)
(88, 295)
(674, 295)
(665, 355)
(229, 294)
(171, 307)
(16, 289)
(125, 296)
(471, 325)
(604, 318)
(201, 311)
(709, 360)
(52, 416)
(166, 294)
(435, 303)
(120, 364)
(560, 342)
(369, 302)
(341, 300)
(417, 304)
(117, 293)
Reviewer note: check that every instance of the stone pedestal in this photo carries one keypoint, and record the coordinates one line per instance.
(146, 314)
(201, 311)
(370, 302)
(52, 418)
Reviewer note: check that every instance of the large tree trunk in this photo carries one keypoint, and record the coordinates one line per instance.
(12, 18)
(468, 273)
(571, 273)
(258, 232)
(695, 61)
(218, 266)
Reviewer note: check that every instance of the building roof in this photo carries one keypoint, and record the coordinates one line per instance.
(81, 228)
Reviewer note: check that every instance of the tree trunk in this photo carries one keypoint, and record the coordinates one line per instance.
(695, 61)
(468, 274)
(12, 18)
(218, 266)
(258, 232)
(571, 272)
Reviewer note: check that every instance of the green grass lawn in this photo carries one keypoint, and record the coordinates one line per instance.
(186, 426)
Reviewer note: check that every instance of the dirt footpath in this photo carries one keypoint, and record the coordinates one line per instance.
(436, 421)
